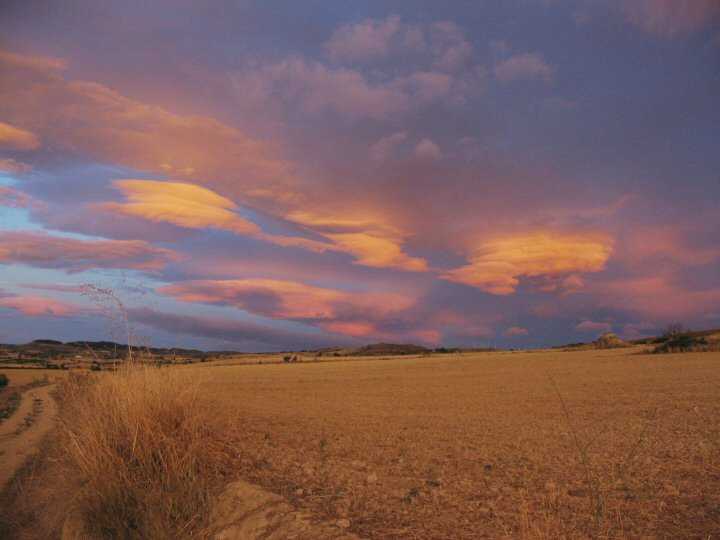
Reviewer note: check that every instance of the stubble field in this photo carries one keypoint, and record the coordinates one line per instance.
(610, 444)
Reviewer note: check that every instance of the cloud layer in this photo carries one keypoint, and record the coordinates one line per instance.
(451, 176)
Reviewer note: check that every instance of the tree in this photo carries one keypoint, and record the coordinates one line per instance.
(673, 330)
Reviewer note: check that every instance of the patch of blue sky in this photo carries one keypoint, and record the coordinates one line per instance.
(17, 219)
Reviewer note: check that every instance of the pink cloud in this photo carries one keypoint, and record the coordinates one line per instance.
(524, 66)
(13, 198)
(443, 42)
(593, 326)
(16, 138)
(246, 333)
(439, 71)
(355, 314)
(369, 40)
(287, 299)
(385, 146)
(427, 149)
(38, 306)
(515, 331)
(46, 251)
(658, 298)
(316, 88)
(110, 127)
(669, 18)
(14, 167)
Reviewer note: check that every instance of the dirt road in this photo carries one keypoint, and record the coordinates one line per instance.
(21, 434)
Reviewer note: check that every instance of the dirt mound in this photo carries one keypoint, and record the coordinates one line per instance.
(609, 340)
(246, 512)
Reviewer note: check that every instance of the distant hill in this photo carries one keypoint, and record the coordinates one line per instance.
(44, 349)
(389, 349)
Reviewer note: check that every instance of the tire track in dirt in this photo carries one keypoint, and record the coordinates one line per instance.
(20, 435)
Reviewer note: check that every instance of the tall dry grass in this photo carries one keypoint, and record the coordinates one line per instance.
(148, 448)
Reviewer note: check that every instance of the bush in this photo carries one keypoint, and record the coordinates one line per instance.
(683, 343)
(4, 381)
(148, 449)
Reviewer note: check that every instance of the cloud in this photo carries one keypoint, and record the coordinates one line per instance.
(666, 244)
(244, 333)
(95, 121)
(385, 146)
(593, 326)
(670, 18)
(515, 331)
(370, 40)
(426, 149)
(43, 250)
(443, 43)
(452, 50)
(182, 204)
(638, 330)
(39, 306)
(196, 207)
(497, 265)
(352, 313)
(435, 68)
(56, 287)
(16, 138)
(12, 198)
(12, 166)
(312, 88)
(524, 66)
(658, 298)
(377, 251)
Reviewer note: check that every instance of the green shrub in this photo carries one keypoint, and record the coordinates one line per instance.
(682, 343)
(3, 380)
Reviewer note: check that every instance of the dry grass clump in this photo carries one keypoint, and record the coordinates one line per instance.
(148, 449)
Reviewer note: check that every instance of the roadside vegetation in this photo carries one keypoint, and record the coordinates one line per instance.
(148, 448)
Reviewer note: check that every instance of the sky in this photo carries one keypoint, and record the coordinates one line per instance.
(275, 175)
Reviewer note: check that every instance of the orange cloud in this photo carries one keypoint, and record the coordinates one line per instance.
(16, 138)
(37, 306)
(497, 265)
(46, 251)
(377, 251)
(370, 240)
(196, 207)
(185, 205)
